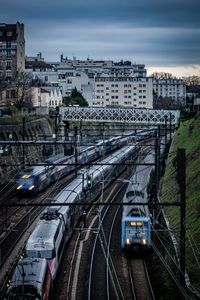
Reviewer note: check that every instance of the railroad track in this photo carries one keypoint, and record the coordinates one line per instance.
(105, 287)
(140, 280)
(24, 220)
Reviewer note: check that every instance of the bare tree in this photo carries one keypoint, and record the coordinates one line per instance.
(162, 75)
(192, 80)
(21, 87)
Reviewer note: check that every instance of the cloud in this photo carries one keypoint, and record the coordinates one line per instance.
(116, 41)
(154, 32)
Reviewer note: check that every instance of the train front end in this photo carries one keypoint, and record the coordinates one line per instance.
(26, 181)
(136, 234)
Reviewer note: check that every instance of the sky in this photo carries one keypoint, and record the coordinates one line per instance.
(162, 34)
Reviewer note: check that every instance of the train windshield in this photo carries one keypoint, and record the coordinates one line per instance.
(48, 254)
(26, 292)
(136, 227)
(25, 178)
(131, 194)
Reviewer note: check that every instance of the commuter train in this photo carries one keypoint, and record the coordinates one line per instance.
(55, 227)
(136, 223)
(31, 280)
(37, 178)
(136, 219)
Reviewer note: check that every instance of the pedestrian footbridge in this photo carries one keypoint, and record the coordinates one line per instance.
(120, 115)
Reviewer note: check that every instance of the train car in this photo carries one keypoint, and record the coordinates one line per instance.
(136, 222)
(57, 223)
(35, 179)
(31, 280)
(144, 134)
(47, 239)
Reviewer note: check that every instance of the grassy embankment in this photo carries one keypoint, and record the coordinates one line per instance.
(188, 137)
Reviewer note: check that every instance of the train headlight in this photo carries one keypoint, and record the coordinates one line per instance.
(31, 187)
(144, 242)
(128, 241)
(19, 187)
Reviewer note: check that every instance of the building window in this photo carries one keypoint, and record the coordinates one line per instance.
(8, 44)
(9, 33)
(1, 33)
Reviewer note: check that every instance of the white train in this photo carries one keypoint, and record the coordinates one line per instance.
(58, 222)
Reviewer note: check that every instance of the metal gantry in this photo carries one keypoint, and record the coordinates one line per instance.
(120, 115)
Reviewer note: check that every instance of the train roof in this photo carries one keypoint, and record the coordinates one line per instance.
(137, 187)
(34, 170)
(29, 271)
(42, 237)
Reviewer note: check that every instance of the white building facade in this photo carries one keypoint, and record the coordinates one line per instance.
(170, 88)
(123, 92)
(46, 97)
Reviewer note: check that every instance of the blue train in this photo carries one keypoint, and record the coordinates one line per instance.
(136, 219)
(136, 222)
(36, 178)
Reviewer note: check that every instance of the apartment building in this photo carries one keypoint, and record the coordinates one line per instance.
(170, 88)
(134, 92)
(12, 50)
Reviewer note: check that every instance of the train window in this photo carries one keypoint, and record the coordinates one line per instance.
(48, 254)
(138, 224)
(26, 176)
(135, 193)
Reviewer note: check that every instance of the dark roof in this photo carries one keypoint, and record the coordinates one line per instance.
(37, 64)
(5, 28)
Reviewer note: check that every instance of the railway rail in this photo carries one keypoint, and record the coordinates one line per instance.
(140, 280)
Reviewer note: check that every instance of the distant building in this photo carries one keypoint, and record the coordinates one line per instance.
(12, 50)
(170, 88)
(120, 91)
(84, 64)
(46, 97)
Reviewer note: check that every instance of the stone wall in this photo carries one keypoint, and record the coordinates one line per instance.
(40, 128)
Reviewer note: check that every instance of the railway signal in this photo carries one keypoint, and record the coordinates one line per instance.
(89, 181)
(4, 150)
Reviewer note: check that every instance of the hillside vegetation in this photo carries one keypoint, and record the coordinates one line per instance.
(188, 137)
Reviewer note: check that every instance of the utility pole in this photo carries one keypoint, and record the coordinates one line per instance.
(23, 138)
(76, 149)
(56, 120)
(157, 174)
(170, 125)
(165, 131)
(181, 169)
